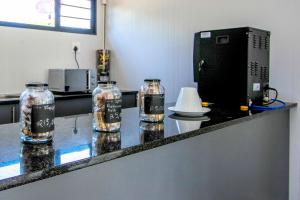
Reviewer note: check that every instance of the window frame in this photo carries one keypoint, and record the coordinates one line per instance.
(57, 27)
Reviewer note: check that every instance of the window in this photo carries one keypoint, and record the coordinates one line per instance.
(78, 16)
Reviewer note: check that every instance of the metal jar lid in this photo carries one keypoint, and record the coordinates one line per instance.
(152, 80)
(107, 82)
(36, 84)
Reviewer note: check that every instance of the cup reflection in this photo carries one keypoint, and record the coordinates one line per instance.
(187, 124)
(151, 131)
(104, 142)
(35, 157)
(184, 126)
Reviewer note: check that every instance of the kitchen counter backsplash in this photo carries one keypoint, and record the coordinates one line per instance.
(14, 98)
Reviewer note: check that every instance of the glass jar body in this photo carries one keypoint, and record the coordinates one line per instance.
(107, 103)
(37, 115)
(151, 97)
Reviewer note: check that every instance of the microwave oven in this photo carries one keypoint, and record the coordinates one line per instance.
(72, 80)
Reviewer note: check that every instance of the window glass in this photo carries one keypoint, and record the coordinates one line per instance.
(68, 11)
(35, 12)
(79, 3)
(72, 15)
(78, 23)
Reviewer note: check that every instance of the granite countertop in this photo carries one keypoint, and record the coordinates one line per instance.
(14, 98)
(77, 146)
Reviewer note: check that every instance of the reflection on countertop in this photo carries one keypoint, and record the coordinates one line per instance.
(77, 146)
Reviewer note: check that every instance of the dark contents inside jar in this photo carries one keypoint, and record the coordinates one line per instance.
(107, 108)
(37, 113)
(152, 98)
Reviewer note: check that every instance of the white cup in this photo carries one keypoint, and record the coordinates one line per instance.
(188, 100)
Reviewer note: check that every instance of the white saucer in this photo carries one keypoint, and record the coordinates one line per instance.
(190, 114)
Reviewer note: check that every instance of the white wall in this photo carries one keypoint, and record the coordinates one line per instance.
(154, 38)
(27, 54)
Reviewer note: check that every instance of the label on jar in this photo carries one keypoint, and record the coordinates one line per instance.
(113, 109)
(42, 118)
(154, 103)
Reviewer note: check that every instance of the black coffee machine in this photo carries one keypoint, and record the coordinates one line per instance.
(231, 66)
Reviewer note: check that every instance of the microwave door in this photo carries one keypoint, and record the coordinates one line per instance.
(76, 80)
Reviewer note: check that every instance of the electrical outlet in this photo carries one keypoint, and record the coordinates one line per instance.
(76, 44)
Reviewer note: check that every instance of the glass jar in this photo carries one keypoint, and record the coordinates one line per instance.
(107, 107)
(151, 131)
(152, 99)
(37, 112)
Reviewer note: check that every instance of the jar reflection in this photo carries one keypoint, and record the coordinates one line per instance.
(105, 142)
(36, 157)
(151, 131)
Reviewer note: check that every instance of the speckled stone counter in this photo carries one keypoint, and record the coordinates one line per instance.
(76, 146)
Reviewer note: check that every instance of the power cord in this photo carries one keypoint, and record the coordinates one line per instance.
(75, 53)
(281, 105)
(274, 99)
(267, 106)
